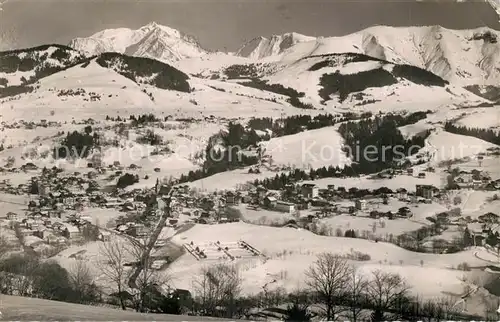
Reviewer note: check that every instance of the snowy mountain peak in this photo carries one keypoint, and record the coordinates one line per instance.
(262, 47)
(152, 41)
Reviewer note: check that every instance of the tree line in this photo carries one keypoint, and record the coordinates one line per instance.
(487, 135)
(388, 148)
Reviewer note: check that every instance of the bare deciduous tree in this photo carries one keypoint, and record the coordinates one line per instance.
(384, 291)
(148, 278)
(356, 287)
(328, 278)
(443, 309)
(4, 246)
(218, 286)
(82, 281)
(113, 267)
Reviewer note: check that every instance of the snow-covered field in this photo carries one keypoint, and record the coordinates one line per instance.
(309, 149)
(447, 146)
(23, 308)
(291, 251)
(229, 180)
(482, 118)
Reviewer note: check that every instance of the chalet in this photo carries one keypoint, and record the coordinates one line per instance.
(409, 171)
(421, 175)
(203, 221)
(122, 228)
(137, 230)
(34, 226)
(33, 241)
(26, 232)
(261, 192)
(464, 180)
(402, 194)
(319, 202)
(286, 207)
(270, 202)
(477, 184)
(405, 212)
(232, 198)
(104, 236)
(58, 226)
(309, 190)
(425, 191)
(207, 204)
(303, 205)
(360, 204)
(55, 240)
(43, 233)
(71, 232)
(331, 187)
(29, 167)
(12, 216)
(127, 206)
(43, 189)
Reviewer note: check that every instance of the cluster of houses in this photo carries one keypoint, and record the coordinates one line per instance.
(21, 124)
(475, 179)
(40, 231)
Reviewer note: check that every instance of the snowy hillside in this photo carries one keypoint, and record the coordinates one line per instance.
(26, 65)
(261, 47)
(15, 308)
(463, 56)
(359, 80)
(151, 41)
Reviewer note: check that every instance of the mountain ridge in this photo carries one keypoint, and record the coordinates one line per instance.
(468, 56)
(152, 41)
(462, 56)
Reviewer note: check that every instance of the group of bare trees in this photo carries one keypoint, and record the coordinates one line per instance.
(334, 290)
(114, 270)
(338, 288)
(218, 288)
(26, 275)
(118, 256)
(341, 291)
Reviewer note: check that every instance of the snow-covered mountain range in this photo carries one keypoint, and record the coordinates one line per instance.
(151, 41)
(354, 69)
(463, 56)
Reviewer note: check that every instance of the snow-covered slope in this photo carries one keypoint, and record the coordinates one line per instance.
(23, 66)
(359, 80)
(261, 47)
(152, 41)
(16, 308)
(462, 56)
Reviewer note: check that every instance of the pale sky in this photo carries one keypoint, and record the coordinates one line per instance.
(227, 24)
